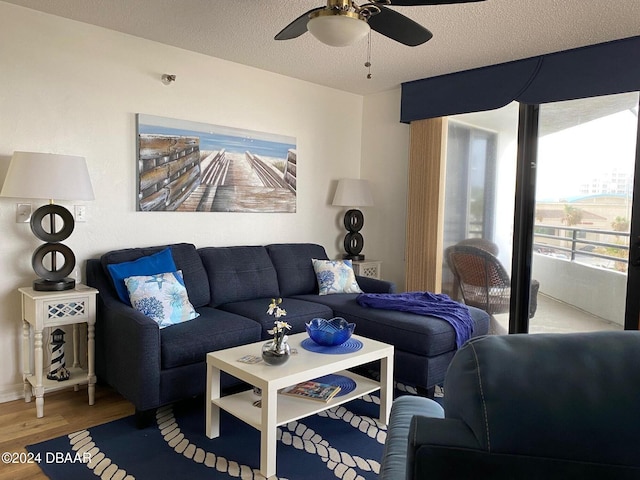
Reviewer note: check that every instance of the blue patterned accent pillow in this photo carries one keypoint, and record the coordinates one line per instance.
(335, 276)
(148, 265)
(161, 297)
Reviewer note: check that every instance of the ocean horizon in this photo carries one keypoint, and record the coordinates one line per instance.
(217, 141)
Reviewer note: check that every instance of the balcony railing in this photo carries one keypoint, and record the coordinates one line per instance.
(585, 245)
(582, 267)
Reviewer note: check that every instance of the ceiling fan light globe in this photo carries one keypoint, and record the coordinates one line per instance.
(338, 30)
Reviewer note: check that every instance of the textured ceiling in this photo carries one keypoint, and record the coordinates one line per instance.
(465, 35)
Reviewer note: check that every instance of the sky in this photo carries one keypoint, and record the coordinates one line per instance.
(569, 158)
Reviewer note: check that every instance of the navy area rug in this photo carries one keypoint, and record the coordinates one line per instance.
(344, 442)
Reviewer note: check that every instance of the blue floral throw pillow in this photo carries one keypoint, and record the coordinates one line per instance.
(335, 276)
(161, 297)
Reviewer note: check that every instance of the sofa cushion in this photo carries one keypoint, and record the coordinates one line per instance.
(239, 273)
(214, 329)
(161, 297)
(292, 262)
(298, 312)
(185, 257)
(418, 334)
(335, 276)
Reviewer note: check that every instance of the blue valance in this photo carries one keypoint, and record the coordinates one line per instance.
(602, 69)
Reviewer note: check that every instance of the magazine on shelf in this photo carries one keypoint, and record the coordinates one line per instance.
(321, 392)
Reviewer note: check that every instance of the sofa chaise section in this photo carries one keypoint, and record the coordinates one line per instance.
(424, 345)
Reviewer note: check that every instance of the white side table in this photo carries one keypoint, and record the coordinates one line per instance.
(368, 268)
(42, 310)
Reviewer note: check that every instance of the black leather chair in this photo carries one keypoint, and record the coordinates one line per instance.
(547, 406)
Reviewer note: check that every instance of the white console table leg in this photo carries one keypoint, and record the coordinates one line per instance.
(91, 374)
(39, 387)
(26, 360)
(76, 353)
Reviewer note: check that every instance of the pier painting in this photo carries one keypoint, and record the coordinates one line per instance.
(188, 166)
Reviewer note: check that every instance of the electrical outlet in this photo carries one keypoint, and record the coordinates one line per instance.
(80, 213)
(23, 213)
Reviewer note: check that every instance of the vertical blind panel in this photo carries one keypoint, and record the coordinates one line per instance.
(602, 69)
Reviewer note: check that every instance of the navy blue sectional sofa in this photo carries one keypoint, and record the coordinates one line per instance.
(231, 287)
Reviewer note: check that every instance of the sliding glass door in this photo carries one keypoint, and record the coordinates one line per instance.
(479, 192)
(566, 240)
(586, 155)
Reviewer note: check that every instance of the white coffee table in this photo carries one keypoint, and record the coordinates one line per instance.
(281, 409)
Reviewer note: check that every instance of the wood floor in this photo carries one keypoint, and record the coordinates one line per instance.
(64, 412)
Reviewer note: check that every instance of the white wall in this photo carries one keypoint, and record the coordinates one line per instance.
(599, 291)
(72, 88)
(385, 163)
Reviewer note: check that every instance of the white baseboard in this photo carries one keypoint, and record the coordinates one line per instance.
(12, 392)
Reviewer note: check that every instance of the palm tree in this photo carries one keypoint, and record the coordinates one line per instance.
(572, 215)
(620, 224)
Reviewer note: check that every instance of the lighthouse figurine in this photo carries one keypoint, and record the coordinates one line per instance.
(58, 370)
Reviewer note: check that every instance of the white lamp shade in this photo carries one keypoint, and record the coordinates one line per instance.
(48, 176)
(337, 30)
(353, 192)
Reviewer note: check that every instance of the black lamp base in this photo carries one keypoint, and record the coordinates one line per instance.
(42, 285)
(52, 278)
(353, 241)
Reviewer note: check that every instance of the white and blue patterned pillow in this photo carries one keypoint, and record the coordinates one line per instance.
(162, 297)
(335, 276)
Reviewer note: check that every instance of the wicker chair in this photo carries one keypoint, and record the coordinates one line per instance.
(482, 243)
(483, 280)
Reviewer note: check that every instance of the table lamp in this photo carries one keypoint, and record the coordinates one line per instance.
(49, 176)
(353, 192)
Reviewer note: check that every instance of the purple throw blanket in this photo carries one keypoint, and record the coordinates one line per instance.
(425, 303)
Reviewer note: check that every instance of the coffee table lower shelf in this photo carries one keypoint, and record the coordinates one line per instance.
(290, 408)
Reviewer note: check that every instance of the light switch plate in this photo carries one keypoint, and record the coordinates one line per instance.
(23, 213)
(80, 213)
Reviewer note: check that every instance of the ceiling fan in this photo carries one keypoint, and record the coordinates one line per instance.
(343, 22)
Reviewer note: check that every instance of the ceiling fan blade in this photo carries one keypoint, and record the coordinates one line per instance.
(399, 28)
(297, 27)
(417, 3)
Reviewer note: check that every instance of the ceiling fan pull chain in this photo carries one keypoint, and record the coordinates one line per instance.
(368, 62)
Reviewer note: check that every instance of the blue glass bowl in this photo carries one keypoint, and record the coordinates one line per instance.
(330, 333)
